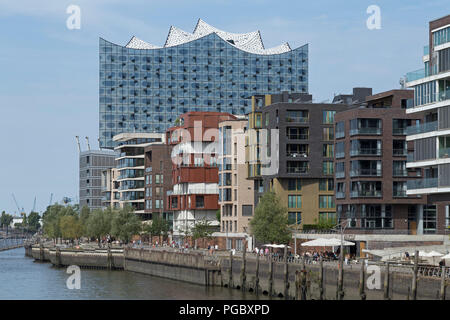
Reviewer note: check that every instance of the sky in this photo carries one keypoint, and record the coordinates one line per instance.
(49, 73)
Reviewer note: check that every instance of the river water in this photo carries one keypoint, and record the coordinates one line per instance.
(22, 278)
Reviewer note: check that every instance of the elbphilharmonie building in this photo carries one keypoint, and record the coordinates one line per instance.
(144, 88)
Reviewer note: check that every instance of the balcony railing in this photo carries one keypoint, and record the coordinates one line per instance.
(297, 170)
(422, 128)
(366, 152)
(340, 134)
(366, 194)
(400, 152)
(400, 173)
(366, 130)
(297, 119)
(340, 174)
(340, 155)
(297, 136)
(415, 75)
(444, 152)
(297, 154)
(399, 131)
(422, 183)
(340, 195)
(399, 194)
(365, 172)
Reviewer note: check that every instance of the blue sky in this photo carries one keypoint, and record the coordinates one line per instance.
(49, 74)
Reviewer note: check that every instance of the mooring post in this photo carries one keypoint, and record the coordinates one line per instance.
(442, 283)
(297, 285)
(362, 278)
(303, 281)
(41, 252)
(386, 282)
(257, 274)
(414, 279)
(109, 261)
(286, 275)
(270, 275)
(230, 271)
(58, 257)
(340, 286)
(321, 279)
(244, 266)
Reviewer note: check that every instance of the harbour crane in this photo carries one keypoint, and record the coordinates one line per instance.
(34, 205)
(78, 143)
(51, 198)
(87, 140)
(17, 205)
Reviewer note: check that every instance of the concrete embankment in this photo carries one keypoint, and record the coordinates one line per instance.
(293, 280)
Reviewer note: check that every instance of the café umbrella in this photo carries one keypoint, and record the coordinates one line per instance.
(324, 242)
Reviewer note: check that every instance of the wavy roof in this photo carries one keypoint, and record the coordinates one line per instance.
(250, 42)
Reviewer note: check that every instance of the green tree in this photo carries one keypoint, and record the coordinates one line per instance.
(52, 217)
(5, 220)
(126, 224)
(201, 230)
(157, 226)
(84, 216)
(218, 215)
(270, 222)
(70, 227)
(99, 223)
(33, 221)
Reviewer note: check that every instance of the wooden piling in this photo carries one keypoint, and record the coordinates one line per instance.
(362, 284)
(257, 275)
(321, 279)
(442, 292)
(386, 282)
(243, 267)
(230, 271)
(286, 275)
(414, 279)
(270, 275)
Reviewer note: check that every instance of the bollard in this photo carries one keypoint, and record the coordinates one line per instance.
(321, 279)
(414, 280)
(257, 275)
(443, 283)
(362, 284)
(230, 271)
(270, 275)
(386, 282)
(303, 285)
(243, 267)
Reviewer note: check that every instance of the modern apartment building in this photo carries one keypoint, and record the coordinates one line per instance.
(235, 190)
(92, 163)
(370, 166)
(158, 180)
(195, 175)
(143, 87)
(130, 167)
(110, 188)
(298, 163)
(431, 137)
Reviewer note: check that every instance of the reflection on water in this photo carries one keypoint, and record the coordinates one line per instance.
(22, 278)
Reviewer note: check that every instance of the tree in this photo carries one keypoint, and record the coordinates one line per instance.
(99, 223)
(70, 227)
(218, 215)
(201, 230)
(125, 224)
(5, 220)
(84, 216)
(33, 221)
(270, 222)
(52, 218)
(157, 226)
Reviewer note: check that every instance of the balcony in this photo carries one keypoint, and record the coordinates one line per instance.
(365, 172)
(399, 194)
(340, 174)
(400, 152)
(422, 183)
(296, 154)
(365, 131)
(366, 194)
(399, 131)
(340, 195)
(297, 136)
(297, 169)
(340, 155)
(365, 152)
(444, 153)
(422, 128)
(415, 75)
(297, 119)
(400, 173)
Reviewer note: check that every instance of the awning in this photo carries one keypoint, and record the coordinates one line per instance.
(324, 242)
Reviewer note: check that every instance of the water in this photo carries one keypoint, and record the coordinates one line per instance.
(22, 278)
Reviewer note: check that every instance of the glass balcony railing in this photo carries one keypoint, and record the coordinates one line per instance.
(297, 119)
(399, 131)
(422, 183)
(340, 174)
(340, 155)
(444, 95)
(410, 157)
(366, 130)
(415, 75)
(444, 152)
(400, 173)
(297, 136)
(366, 194)
(365, 172)
(400, 152)
(399, 193)
(426, 50)
(422, 128)
(340, 195)
(297, 169)
(366, 152)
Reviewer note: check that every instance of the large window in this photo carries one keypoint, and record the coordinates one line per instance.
(199, 201)
(326, 202)
(294, 201)
(429, 219)
(328, 116)
(328, 167)
(294, 218)
(328, 134)
(294, 184)
(328, 150)
(326, 184)
(376, 216)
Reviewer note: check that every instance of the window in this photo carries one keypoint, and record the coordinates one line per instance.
(340, 129)
(327, 217)
(294, 218)
(429, 219)
(340, 150)
(148, 204)
(294, 184)
(294, 201)
(447, 216)
(376, 216)
(326, 184)
(328, 151)
(174, 203)
(247, 210)
(340, 170)
(199, 201)
(159, 204)
(328, 116)
(328, 167)
(328, 134)
(326, 202)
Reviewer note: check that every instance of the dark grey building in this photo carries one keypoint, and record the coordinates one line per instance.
(92, 163)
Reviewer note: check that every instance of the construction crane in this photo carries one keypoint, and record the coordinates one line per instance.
(17, 205)
(34, 205)
(78, 143)
(87, 140)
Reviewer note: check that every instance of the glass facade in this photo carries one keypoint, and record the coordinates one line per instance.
(145, 90)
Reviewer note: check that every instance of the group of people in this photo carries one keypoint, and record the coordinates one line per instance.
(315, 255)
